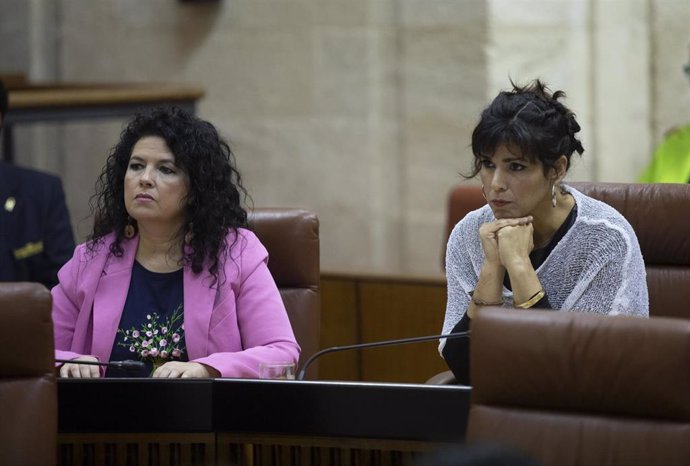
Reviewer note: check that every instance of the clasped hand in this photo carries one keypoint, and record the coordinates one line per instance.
(508, 240)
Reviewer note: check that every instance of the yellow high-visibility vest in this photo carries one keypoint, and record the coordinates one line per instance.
(671, 162)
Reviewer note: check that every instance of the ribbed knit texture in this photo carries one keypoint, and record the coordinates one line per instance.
(596, 267)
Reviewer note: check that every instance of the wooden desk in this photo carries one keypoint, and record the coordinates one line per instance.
(254, 422)
(64, 102)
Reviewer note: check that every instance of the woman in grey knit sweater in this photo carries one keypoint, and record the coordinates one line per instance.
(538, 242)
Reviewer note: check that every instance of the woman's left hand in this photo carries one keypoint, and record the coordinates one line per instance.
(184, 370)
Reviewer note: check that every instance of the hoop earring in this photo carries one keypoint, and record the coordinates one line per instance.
(484, 195)
(189, 236)
(553, 195)
(129, 230)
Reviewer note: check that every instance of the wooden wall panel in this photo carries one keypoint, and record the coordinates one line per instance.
(401, 310)
(364, 308)
(339, 326)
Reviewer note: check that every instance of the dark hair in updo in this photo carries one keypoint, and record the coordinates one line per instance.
(214, 203)
(528, 118)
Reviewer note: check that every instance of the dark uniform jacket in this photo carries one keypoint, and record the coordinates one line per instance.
(36, 236)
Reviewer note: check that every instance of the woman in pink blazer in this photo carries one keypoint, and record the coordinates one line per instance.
(169, 274)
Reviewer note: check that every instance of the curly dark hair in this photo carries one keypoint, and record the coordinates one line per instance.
(531, 119)
(215, 198)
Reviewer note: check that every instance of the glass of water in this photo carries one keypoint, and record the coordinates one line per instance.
(277, 370)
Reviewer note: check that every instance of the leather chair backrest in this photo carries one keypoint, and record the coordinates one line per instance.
(660, 216)
(462, 199)
(28, 391)
(577, 389)
(291, 237)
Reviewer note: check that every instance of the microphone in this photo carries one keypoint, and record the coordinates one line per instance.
(376, 344)
(127, 365)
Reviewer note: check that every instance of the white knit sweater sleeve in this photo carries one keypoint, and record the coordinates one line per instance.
(464, 258)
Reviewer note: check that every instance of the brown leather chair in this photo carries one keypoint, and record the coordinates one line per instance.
(659, 215)
(28, 391)
(291, 237)
(462, 200)
(576, 389)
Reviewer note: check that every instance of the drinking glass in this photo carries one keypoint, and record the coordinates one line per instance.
(273, 370)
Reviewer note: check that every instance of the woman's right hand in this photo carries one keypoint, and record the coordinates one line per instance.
(80, 371)
(488, 234)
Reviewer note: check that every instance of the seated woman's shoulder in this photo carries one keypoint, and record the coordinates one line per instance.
(97, 246)
(590, 208)
(604, 226)
(243, 242)
(244, 235)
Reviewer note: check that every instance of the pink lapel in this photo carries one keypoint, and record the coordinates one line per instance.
(199, 299)
(110, 297)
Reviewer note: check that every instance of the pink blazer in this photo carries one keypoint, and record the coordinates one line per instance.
(232, 327)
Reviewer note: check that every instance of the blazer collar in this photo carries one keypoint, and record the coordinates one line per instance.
(110, 297)
(199, 299)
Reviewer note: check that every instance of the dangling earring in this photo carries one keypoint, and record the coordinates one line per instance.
(189, 236)
(553, 195)
(484, 195)
(129, 229)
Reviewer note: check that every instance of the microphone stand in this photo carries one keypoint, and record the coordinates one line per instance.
(376, 344)
(127, 365)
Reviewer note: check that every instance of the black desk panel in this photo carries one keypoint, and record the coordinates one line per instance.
(334, 409)
(135, 405)
(342, 409)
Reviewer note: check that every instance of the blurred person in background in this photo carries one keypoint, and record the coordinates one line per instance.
(36, 236)
(671, 159)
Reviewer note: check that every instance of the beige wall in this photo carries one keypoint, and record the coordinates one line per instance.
(669, 48)
(360, 109)
(608, 55)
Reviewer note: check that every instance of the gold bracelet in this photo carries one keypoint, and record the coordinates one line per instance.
(536, 297)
